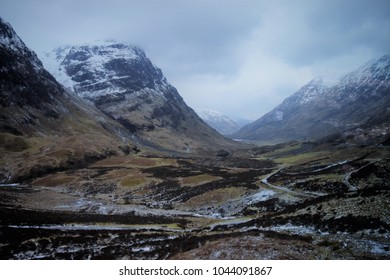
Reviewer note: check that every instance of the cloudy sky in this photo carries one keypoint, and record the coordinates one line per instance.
(240, 57)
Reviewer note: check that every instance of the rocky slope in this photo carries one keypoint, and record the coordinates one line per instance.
(123, 83)
(357, 107)
(42, 126)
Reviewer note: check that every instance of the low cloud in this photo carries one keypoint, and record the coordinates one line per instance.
(238, 57)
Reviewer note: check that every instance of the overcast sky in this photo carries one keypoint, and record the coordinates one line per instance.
(240, 57)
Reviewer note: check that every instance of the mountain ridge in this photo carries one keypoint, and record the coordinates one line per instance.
(124, 84)
(217, 120)
(359, 99)
(44, 127)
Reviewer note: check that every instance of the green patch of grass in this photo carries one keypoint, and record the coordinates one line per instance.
(215, 197)
(135, 162)
(300, 158)
(13, 143)
(132, 181)
(54, 180)
(331, 177)
(198, 179)
(165, 161)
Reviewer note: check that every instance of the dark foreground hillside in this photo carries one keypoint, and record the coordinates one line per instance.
(290, 201)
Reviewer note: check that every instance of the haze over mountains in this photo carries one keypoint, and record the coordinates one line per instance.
(219, 121)
(112, 164)
(43, 126)
(124, 84)
(122, 101)
(127, 99)
(358, 105)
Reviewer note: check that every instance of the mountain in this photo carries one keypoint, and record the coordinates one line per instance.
(357, 106)
(220, 122)
(241, 121)
(124, 84)
(42, 126)
(289, 120)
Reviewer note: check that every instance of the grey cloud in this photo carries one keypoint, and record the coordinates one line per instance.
(241, 57)
(314, 31)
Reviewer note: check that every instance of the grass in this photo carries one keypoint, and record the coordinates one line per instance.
(300, 158)
(117, 173)
(13, 143)
(54, 180)
(155, 226)
(133, 181)
(134, 161)
(215, 197)
(198, 179)
(331, 177)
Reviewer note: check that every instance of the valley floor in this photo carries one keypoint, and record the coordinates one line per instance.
(288, 201)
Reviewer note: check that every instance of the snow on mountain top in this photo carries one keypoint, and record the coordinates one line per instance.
(222, 123)
(10, 40)
(92, 55)
(96, 68)
(373, 69)
(374, 76)
(378, 64)
(209, 113)
(107, 48)
(307, 93)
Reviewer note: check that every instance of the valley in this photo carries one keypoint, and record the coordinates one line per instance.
(101, 158)
(297, 200)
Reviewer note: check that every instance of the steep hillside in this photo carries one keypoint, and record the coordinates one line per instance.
(43, 127)
(357, 106)
(123, 83)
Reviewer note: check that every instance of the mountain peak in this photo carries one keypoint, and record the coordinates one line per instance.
(375, 69)
(10, 41)
(217, 120)
(24, 81)
(8, 36)
(104, 67)
(371, 79)
(359, 100)
(209, 112)
(123, 83)
(380, 63)
(307, 93)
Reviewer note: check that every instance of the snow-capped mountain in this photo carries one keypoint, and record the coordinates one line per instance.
(109, 67)
(122, 82)
(370, 81)
(359, 100)
(285, 121)
(42, 126)
(22, 73)
(220, 122)
(308, 93)
(27, 89)
(31, 95)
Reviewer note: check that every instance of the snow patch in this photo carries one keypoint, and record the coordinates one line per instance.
(279, 115)
(293, 229)
(217, 120)
(90, 77)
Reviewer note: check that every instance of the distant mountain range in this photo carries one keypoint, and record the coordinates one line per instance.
(220, 122)
(356, 107)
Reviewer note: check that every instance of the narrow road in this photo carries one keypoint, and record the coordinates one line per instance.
(283, 189)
